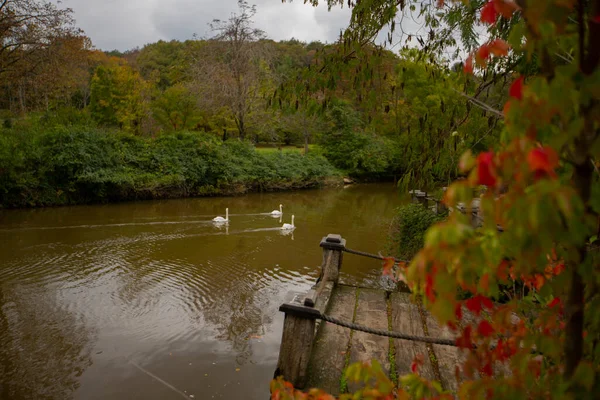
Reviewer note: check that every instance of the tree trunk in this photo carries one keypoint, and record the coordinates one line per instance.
(573, 349)
(21, 99)
(241, 127)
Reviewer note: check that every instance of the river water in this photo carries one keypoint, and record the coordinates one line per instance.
(150, 300)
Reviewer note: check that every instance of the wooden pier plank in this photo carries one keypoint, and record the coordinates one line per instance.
(371, 311)
(448, 357)
(329, 350)
(407, 319)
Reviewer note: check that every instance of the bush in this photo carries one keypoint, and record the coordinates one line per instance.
(78, 164)
(408, 229)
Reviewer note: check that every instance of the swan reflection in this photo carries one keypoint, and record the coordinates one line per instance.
(284, 232)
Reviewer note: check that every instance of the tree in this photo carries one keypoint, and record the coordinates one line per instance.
(165, 61)
(27, 30)
(119, 97)
(175, 108)
(50, 81)
(543, 190)
(227, 70)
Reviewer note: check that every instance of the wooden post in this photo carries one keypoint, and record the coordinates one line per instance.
(422, 198)
(299, 325)
(295, 349)
(413, 196)
(333, 246)
(440, 207)
(476, 220)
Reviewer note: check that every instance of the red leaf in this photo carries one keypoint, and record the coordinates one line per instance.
(554, 302)
(498, 47)
(487, 303)
(558, 268)
(506, 108)
(502, 271)
(485, 329)
(488, 13)
(476, 304)
(499, 350)
(543, 159)
(516, 89)
(506, 8)
(483, 53)
(539, 281)
(429, 287)
(468, 68)
(414, 367)
(416, 363)
(458, 311)
(440, 3)
(485, 166)
(388, 264)
(596, 19)
(487, 369)
(464, 341)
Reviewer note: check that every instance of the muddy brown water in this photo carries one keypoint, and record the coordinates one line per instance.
(150, 300)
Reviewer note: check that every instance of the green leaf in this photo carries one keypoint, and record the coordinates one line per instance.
(584, 375)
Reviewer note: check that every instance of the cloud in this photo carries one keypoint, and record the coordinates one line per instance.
(125, 24)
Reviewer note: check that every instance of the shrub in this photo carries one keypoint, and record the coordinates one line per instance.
(79, 164)
(408, 229)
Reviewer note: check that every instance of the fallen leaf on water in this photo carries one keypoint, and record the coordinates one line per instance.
(255, 337)
(237, 370)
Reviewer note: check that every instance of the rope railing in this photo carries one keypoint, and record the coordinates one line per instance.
(312, 313)
(371, 255)
(392, 334)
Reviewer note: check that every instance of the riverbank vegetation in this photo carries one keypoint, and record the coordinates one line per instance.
(407, 231)
(79, 164)
(409, 124)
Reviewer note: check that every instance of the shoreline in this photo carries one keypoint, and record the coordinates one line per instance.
(231, 190)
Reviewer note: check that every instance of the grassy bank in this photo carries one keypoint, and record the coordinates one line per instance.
(75, 165)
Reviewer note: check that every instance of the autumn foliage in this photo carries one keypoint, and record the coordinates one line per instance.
(530, 272)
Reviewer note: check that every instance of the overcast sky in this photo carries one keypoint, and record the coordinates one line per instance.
(125, 24)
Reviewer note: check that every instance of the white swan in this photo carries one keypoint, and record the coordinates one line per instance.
(289, 226)
(278, 212)
(221, 219)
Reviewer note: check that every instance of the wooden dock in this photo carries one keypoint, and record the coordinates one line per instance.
(335, 347)
(315, 353)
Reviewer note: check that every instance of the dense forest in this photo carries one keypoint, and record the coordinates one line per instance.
(219, 115)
